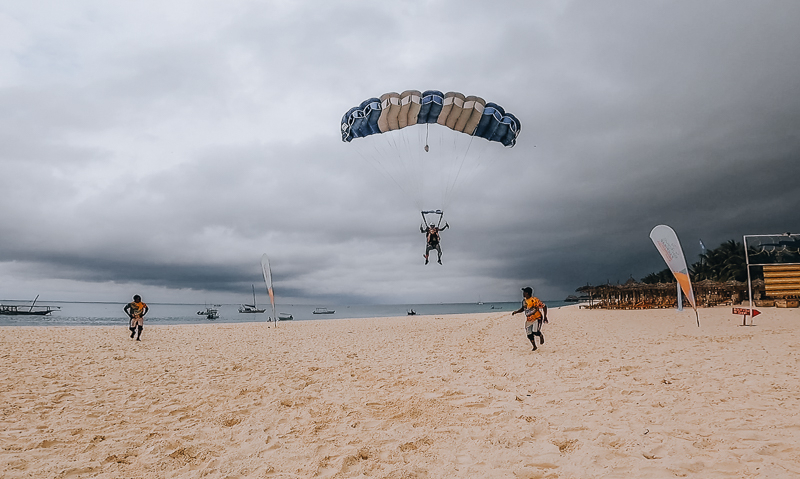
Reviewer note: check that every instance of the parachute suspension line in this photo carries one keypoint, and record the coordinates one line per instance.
(413, 166)
(380, 167)
(418, 165)
(452, 186)
(402, 167)
(459, 153)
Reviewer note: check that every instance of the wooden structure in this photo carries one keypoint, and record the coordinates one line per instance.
(634, 295)
(782, 281)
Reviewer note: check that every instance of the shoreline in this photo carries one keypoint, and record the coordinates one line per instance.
(639, 393)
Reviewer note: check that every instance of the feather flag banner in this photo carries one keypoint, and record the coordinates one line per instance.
(669, 246)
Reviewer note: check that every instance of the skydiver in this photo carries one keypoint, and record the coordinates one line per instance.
(432, 238)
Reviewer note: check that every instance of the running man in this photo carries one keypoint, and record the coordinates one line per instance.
(535, 314)
(432, 239)
(136, 311)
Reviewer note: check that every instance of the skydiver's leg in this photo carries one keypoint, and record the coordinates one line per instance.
(428, 249)
(140, 333)
(439, 250)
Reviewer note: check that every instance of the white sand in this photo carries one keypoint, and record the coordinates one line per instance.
(644, 394)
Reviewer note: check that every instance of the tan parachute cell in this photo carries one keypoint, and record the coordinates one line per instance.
(451, 109)
(390, 103)
(470, 114)
(409, 108)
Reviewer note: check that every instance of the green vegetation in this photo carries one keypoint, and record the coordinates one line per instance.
(725, 263)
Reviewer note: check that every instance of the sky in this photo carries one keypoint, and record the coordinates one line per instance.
(161, 148)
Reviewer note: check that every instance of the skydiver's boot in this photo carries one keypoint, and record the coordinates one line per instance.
(426, 258)
(133, 332)
(140, 334)
(541, 338)
(440, 260)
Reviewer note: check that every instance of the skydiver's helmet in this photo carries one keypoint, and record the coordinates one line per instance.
(433, 225)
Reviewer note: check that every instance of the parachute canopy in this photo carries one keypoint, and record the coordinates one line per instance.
(466, 114)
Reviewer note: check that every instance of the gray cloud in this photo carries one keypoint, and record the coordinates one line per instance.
(165, 148)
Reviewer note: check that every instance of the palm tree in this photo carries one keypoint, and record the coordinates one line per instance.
(724, 263)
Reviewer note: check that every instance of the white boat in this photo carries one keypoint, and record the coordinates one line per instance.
(323, 311)
(251, 308)
(209, 313)
(285, 317)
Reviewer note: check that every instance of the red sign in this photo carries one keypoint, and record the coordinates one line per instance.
(746, 311)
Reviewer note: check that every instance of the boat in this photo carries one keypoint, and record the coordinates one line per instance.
(209, 313)
(12, 310)
(411, 312)
(285, 317)
(323, 311)
(251, 308)
(32, 310)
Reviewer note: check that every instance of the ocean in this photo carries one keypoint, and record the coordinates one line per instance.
(111, 314)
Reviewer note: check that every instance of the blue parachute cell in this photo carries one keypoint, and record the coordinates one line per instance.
(431, 105)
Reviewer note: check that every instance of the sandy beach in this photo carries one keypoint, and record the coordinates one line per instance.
(643, 394)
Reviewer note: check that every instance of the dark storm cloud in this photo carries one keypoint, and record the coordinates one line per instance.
(171, 152)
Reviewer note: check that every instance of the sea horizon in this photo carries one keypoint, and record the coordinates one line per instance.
(107, 313)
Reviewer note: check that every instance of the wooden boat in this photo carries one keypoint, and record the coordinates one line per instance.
(285, 317)
(323, 311)
(12, 310)
(32, 310)
(251, 308)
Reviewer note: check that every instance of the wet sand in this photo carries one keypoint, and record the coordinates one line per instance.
(643, 394)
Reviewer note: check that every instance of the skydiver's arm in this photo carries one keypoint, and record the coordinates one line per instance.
(517, 311)
(445, 227)
(127, 310)
(544, 313)
(146, 309)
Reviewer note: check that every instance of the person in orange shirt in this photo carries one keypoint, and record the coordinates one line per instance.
(535, 314)
(136, 311)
